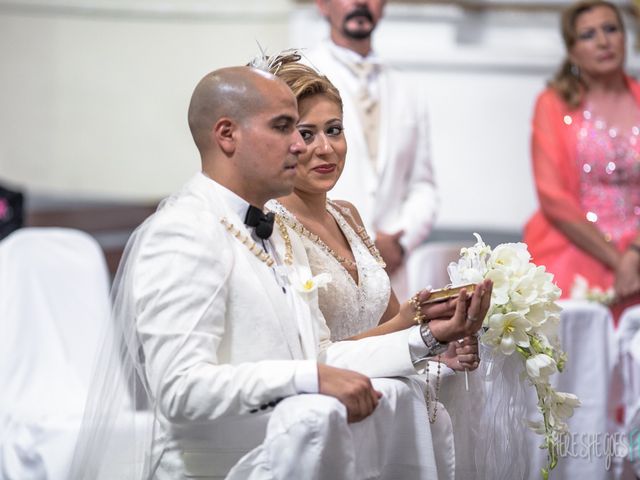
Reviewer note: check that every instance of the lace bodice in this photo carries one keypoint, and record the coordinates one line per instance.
(609, 163)
(348, 308)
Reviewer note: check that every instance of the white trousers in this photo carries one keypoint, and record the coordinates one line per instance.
(308, 437)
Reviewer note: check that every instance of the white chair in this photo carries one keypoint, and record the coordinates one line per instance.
(428, 264)
(629, 347)
(588, 337)
(54, 309)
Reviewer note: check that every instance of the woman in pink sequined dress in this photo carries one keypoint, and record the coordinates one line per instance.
(586, 160)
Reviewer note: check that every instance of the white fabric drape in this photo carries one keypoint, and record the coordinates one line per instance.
(629, 345)
(54, 305)
(588, 337)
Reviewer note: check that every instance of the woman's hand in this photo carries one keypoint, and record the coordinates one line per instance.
(462, 355)
(407, 315)
(627, 279)
(468, 316)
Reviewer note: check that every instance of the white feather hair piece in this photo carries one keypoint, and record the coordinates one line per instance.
(271, 63)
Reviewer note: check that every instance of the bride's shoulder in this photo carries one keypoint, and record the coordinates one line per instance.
(349, 211)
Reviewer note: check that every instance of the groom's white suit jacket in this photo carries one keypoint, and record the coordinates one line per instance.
(221, 341)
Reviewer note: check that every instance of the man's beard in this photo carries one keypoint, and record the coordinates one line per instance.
(361, 11)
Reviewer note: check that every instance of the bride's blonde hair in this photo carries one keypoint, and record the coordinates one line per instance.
(302, 79)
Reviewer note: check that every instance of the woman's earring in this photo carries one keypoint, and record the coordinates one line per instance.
(575, 70)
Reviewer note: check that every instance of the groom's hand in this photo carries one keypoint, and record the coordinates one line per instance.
(353, 389)
(463, 354)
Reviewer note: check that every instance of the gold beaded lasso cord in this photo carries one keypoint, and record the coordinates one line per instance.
(258, 251)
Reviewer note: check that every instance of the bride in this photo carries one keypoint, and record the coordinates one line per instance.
(358, 302)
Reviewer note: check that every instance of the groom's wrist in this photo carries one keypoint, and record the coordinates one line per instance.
(418, 348)
(434, 346)
(305, 379)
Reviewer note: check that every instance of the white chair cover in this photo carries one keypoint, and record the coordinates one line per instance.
(54, 307)
(629, 344)
(588, 338)
(427, 265)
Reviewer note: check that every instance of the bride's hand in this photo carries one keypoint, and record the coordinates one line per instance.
(443, 310)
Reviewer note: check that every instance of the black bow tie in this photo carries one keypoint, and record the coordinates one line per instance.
(262, 223)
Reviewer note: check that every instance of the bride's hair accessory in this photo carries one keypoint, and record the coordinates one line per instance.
(271, 64)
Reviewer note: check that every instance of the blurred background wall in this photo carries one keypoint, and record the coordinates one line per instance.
(93, 93)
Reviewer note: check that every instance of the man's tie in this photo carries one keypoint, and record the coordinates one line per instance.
(263, 223)
(368, 108)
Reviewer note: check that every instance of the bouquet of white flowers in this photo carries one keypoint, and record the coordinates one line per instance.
(523, 318)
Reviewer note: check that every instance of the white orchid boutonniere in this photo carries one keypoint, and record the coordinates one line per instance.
(524, 318)
(318, 281)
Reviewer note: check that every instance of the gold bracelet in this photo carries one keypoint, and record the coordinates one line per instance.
(418, 316)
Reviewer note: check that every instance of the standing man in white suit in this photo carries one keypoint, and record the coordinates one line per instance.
(241, 376)
(388, 173)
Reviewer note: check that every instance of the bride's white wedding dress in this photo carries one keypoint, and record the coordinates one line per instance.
(349, 308)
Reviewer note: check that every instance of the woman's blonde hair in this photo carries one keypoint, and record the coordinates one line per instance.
(303, 80)
(567, 82)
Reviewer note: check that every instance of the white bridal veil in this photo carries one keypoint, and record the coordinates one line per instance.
(122, 435)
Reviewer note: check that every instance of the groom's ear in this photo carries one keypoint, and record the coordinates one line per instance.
(225, 135)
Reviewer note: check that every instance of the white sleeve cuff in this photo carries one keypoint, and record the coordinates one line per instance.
(417, 348)
(306, 377)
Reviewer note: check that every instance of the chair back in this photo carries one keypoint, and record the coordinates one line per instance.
(428, 264)
(54, 311)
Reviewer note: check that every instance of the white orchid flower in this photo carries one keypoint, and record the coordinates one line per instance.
(563, 404)
(319, 281)
(507, 331)
(524, 317)
(580, 290)
(540, 367)
(524, 291)
(513, 257)
(501, 286)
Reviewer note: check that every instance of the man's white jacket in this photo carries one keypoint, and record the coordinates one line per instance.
(219, 338)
